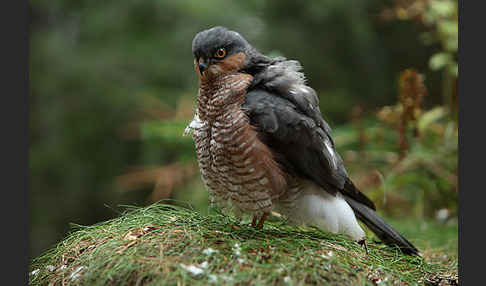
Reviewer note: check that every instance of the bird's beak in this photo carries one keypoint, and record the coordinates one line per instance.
(202, 65)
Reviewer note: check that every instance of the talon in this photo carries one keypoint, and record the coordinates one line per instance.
(262, 220)
(254, 221)
(362, 242)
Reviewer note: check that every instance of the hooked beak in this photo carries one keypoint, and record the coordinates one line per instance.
(202, 65)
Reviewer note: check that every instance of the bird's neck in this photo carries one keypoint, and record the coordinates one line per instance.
(221, 95)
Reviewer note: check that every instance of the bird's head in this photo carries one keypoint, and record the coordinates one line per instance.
(219, 51)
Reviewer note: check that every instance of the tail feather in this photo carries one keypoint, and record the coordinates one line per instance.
(383, 230)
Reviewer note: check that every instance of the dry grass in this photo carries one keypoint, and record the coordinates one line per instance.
(167, 245)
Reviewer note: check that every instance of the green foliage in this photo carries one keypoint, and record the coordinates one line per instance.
(170, 134)
(444, 16)
(420, 184)
(156, 245)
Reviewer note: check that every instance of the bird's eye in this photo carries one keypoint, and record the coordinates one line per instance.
(220, 53)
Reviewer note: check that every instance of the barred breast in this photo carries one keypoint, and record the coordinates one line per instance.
(236, 167)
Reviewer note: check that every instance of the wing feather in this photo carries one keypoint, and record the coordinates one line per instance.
(293, 127)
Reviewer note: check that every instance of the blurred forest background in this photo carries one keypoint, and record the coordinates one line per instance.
(113, 87)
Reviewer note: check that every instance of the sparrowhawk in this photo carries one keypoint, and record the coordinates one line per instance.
(262, 144)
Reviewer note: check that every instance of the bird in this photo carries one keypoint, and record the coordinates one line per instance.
(262, 144)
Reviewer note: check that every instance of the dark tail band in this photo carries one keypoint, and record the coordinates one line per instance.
(383, 230)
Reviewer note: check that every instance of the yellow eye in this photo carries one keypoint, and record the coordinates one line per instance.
(220, 53)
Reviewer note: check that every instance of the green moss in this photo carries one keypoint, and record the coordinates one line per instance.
(155, 244)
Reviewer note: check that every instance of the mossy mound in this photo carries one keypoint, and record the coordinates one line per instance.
(169, 245)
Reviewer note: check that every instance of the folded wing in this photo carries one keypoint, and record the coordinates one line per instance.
(291, 124)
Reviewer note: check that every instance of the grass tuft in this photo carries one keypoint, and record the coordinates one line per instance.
(169, 245)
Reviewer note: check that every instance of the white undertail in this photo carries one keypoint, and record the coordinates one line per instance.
(316, 207)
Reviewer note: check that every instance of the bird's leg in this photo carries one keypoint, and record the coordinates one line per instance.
(262, 220)
(254, 221)
(362, 242)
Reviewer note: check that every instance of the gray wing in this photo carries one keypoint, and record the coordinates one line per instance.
(293, 127)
